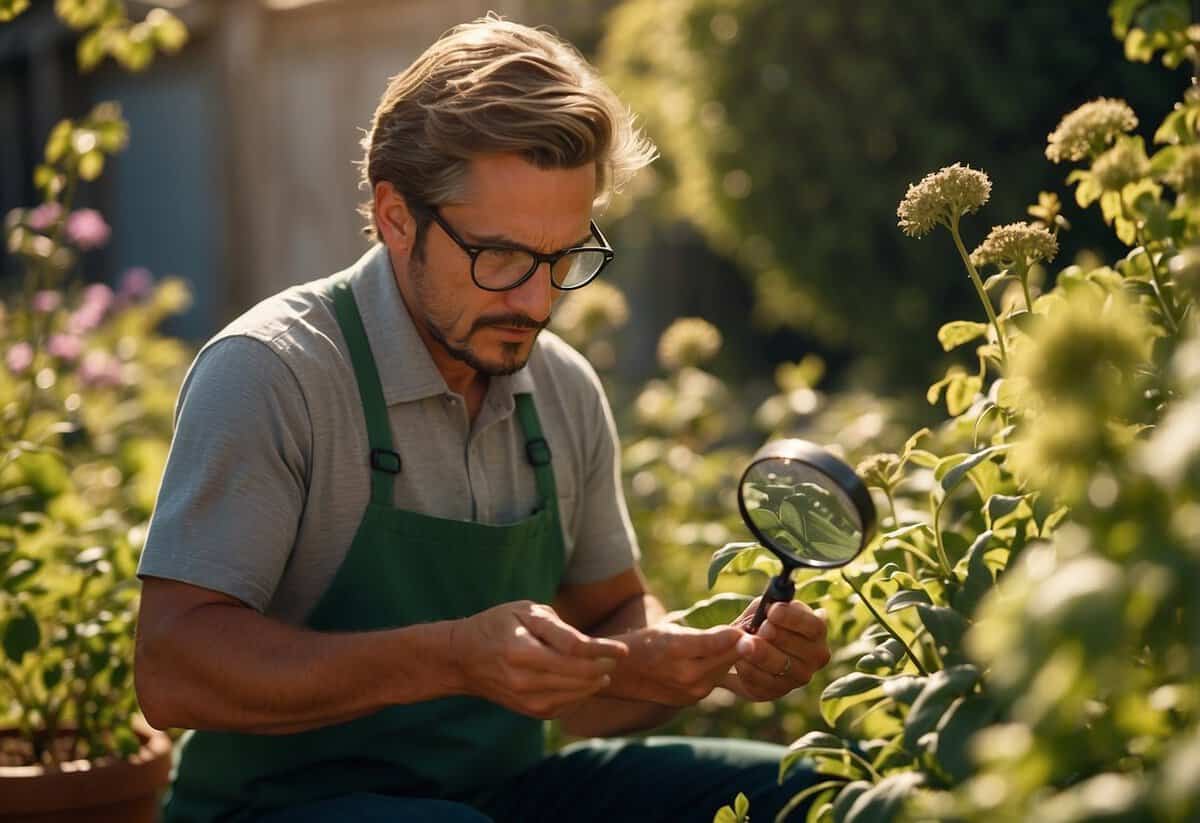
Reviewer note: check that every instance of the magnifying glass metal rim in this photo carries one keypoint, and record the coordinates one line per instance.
(836, 470)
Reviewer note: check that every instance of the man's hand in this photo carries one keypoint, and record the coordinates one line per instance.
(524, 657)
(789, 647)
(675, 665)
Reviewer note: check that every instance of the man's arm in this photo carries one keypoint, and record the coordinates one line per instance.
(206, 660)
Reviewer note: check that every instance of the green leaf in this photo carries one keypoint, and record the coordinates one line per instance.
(999, 506)
(800, 797)
(945, 625)
(725, 814)
(940, 691)
(905, 689)
(718, 610)
(846, 797)
(954, 475)
(169, 32)
(11, 8)
(725, 555)
(765, 520)
(883, 801)
(957, 332)
(741, 805)
(907, 599)
(961, 393)
(21, 635)
(965, 716)
(52, 675)
(848, 691)
(91, 165)
(59, 141)
(978, 580)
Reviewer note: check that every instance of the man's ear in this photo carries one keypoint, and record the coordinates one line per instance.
(394, 221)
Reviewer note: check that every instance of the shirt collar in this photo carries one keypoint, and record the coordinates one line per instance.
(406, 369)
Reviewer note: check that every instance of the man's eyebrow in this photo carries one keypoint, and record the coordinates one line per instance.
(508, 242)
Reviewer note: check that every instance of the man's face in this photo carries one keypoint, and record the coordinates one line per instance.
(508, 202)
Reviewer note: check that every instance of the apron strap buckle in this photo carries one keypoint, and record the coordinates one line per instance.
(538, 451)
(385, 460)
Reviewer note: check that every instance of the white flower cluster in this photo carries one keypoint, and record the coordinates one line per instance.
(1086, 131)
(689, 341)
(941, 198)
(1016, 244)
(1124, 163)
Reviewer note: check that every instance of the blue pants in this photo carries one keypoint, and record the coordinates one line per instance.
(656, 780)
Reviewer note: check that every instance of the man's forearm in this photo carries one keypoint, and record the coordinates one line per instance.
(228, 667)
(603, 716)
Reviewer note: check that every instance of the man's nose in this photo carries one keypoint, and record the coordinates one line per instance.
(533, 297)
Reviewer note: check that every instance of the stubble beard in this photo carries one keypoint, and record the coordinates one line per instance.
(511, 359)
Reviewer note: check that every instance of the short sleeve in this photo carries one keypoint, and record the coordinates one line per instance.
(234, 488)
(605, 544)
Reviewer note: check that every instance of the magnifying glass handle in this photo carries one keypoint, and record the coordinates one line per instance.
(781, 589)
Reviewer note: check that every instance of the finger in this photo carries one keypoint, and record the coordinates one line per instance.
(718, 642)
(760, 685)
(568, 640)
(565, 686)
(535, 656)
(764, 655)
(790, 643)
(797, 617)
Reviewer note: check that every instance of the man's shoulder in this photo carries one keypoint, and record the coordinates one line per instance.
(285, 319)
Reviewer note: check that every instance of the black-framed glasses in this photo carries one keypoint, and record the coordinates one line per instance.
(500, 268)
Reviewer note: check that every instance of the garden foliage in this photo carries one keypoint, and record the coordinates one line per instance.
(87, 392)
(1022, 641)
(787, 128)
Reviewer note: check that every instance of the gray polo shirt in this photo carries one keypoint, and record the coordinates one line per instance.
(268, 474)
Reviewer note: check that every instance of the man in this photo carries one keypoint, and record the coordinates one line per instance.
(391, 539)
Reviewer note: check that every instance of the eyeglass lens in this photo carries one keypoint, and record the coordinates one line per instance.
(500, 268)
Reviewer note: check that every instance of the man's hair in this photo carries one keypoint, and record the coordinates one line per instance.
(494, 86)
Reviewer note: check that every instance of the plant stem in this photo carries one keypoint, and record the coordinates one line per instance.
(987, 304)
(883, 622)
(943, 559)
(913, 550)
(908, 561)
(1164, 299)
(1023, 276)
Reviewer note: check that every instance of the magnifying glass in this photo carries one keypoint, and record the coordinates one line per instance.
(808, 508)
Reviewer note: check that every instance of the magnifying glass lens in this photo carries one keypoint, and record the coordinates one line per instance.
(801, 512)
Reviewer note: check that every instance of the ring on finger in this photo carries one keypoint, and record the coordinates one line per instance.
(786, 666)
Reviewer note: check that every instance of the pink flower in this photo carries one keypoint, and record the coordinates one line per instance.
(86, 318)
(137, 284)
(44, 216)
(98, 296)
(19, 358)
(87, 229)
(100, 369)
(65, 346)
(47, 301)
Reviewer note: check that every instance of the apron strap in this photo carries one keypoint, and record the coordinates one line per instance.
(385, 462)
(537, 449)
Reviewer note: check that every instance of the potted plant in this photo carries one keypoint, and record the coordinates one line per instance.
(87, 389)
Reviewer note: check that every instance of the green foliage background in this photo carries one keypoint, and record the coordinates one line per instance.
(789, 130)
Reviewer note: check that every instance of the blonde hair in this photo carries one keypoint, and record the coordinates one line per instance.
(494, 86)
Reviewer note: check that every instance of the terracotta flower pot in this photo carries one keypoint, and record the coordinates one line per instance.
(121, 791)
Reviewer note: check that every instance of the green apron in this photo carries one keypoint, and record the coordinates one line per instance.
(402, 568)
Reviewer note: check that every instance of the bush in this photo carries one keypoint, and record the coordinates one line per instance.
(1022, 641)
